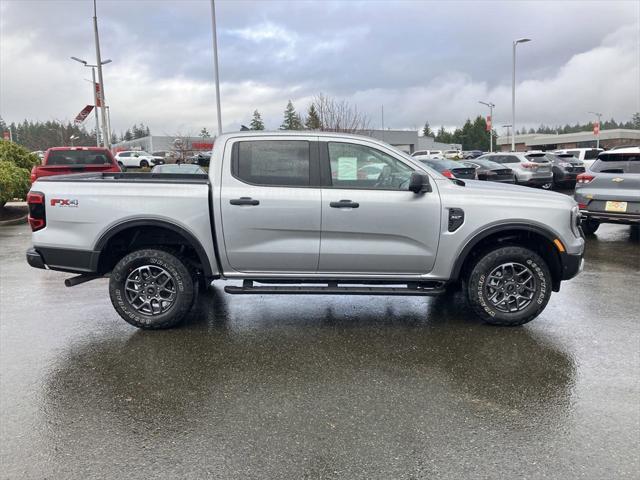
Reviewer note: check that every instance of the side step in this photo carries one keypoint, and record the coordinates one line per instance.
(332, 288)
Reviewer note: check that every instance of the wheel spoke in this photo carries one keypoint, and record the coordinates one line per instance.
(510, 287)
(150, 289)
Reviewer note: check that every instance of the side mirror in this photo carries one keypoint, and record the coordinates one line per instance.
(419, 183)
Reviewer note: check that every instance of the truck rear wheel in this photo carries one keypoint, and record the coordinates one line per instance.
(152, 288)
(509, 286)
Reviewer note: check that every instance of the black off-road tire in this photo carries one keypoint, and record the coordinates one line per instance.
(182, 278)
(477, 294)
(122, 167)
(589, 226)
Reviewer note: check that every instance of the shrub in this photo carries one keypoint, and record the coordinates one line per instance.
(14, 182)
(15, 168)
(18, 155)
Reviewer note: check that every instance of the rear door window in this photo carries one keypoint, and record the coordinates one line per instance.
(273, 162)
(77, 157)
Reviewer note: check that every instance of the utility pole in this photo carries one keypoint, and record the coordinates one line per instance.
(105, 136)
(95, 94)
(215, 64)
(599, 115)
(513, 93)
(490, 105)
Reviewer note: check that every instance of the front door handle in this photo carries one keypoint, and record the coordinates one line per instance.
(344, 204)
(244, 201)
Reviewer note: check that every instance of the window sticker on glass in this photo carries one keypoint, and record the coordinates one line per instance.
(347, 168)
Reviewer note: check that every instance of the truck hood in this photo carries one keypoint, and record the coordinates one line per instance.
(508, 192)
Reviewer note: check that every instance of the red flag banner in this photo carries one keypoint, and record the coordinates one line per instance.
(488, 123)
(596, 128)
(6, 135)
(98, 96)
(84, 113)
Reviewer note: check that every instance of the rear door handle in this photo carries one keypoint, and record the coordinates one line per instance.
(344, 204)
(244, 201)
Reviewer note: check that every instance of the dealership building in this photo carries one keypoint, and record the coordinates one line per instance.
(406, 140)
(616, 137)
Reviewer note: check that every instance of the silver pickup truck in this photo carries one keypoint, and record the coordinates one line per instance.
(305, 213)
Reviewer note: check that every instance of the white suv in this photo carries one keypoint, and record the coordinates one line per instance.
(137, 159)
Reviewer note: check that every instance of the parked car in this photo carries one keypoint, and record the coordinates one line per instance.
(491, 171)
(565, 167)
(610, 191)
(201, 158)
(169, 156)
(272, 215)
(66, 160)
(185, 168)
(531, 170)
(450, 168)
(624, 146)
(586, 155)
(422, 153)
(472, 154)
(452, 154)
(137, 159)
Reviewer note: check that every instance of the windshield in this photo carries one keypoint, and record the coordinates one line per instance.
(77, 157)
(488, 164)
(537, 157)
(443, 164)
(617, 163)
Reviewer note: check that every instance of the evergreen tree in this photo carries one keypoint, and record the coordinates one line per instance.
(426, 130)
(312, 121)
(204, 133)
(127, 135)
(256, 121)
(291, 120)
(635, 121)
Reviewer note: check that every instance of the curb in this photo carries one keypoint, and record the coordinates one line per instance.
(14, 221)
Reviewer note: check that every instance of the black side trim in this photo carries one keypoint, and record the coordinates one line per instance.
(570, 265)
(34, 258)
(202, 255)
(69, 260)
(455, 273)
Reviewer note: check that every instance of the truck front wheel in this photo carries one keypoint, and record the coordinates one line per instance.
(509, 286)
(152, 288)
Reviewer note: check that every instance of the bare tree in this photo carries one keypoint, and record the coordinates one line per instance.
(340, 115)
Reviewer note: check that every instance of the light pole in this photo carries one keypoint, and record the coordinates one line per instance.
(513, 93)
(106, 138)
(599, 115)
(72, 138)
(95, 92)
(215, 64)
(490, 105)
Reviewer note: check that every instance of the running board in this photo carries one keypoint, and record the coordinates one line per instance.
(332, 288)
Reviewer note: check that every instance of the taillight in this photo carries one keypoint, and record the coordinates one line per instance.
(448, 174)
(34, 175)
(529, 165)
(582, 206)
(37, 218)
(584, 178)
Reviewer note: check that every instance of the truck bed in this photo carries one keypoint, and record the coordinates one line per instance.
(198, 178)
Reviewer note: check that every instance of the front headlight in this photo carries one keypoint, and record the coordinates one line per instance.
(565, 164)
(575, 220)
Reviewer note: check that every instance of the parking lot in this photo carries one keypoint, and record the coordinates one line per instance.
(321, 387)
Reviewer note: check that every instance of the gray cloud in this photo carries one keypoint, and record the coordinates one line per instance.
(423, 60)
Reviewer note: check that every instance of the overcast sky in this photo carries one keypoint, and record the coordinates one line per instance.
(423, 60)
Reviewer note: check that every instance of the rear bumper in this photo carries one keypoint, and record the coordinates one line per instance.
(610, 217)
(35, 259)
(535, 180)
(64, 260)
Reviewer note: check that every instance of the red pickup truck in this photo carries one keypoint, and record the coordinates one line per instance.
(65, 160)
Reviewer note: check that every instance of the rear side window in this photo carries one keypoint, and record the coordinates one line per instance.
(591, 154)
(77, 157)
(273, 162)
(537, 157)
(617, 163)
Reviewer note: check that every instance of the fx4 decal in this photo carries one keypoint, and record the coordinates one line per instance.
(63, 202)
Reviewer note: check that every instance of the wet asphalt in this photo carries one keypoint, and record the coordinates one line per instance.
(321, 387)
